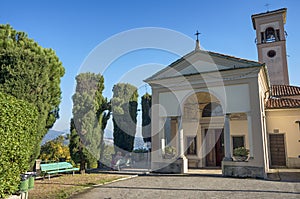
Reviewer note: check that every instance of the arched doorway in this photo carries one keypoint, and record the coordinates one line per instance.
(214, 136)
(204, 144)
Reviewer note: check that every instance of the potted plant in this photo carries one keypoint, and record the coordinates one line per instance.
(240, 154)
(170, 152)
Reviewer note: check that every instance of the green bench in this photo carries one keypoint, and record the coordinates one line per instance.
(59, 167)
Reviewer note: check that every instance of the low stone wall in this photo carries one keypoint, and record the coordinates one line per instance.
(175, 166)
(243, 171)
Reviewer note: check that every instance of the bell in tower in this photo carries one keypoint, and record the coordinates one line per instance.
(271, 44)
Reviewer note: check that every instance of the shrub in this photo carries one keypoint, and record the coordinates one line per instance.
(17, 129)
(170, 152)
(55, 150)
(240, 151)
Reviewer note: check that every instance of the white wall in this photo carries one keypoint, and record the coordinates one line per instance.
(234, 99)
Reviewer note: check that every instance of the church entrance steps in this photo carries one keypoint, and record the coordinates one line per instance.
(206, 171)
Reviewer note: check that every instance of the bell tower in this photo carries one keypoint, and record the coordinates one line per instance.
(271, 44)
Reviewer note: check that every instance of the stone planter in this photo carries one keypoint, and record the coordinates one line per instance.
(240, 158)
(168, 156)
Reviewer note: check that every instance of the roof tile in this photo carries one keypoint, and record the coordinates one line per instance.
(284, 90)
(276, 103)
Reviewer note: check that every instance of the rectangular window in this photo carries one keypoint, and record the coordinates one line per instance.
(238, 141)
(191, 145)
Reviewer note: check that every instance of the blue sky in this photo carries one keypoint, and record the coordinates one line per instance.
(74, 28)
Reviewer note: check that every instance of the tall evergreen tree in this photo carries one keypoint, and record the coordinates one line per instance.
(106, 112)
(146, 117)
(89, 115)
(124, 109)
(31, 73)
(79, 153)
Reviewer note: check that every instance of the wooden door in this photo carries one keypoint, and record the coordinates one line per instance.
(277, 149)
(210, 147)
(220, 154)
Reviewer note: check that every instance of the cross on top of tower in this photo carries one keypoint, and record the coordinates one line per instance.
(197, 35)
(197, 41)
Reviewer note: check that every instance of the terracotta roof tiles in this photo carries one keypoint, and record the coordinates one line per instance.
(284, 90)
(276, 103)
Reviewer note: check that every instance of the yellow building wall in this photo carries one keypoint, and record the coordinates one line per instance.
(239, 128)
(284, 121)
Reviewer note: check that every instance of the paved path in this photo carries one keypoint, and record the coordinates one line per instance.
(193, 187)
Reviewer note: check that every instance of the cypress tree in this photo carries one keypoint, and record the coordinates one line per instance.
(124, 109)
(89, 117)
(146, 117)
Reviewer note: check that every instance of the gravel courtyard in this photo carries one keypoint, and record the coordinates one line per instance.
(193, 187)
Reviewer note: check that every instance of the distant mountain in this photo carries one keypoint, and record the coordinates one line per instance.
(138, 142)
(52, 134)
(108, 138)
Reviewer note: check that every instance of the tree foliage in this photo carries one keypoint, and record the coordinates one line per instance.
(17, 132)
(89, 115)
(106, 108)
(31, 73)
(146, 117)
(54, 150)
(79, 154)
(124, 108)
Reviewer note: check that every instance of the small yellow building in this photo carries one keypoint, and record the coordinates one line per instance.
(283, 126)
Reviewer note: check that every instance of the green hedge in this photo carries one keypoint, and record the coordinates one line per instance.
(18, 123)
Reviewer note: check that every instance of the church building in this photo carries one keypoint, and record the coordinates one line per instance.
(207, 104)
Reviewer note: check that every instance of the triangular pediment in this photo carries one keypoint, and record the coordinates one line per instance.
(200, 61)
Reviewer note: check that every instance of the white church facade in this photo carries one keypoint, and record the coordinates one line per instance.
(206, 104)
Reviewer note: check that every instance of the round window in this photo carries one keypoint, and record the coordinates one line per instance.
(271, 53)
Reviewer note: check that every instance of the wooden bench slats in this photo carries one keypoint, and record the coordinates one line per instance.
(59, 167)
(53, 166)
(62, 171)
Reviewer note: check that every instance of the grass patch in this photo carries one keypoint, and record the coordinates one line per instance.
(67, 185)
